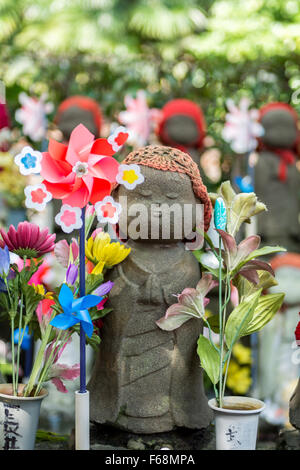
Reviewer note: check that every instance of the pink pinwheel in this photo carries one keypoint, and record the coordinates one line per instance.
(82, 171)
(28, 241)
(138, 118)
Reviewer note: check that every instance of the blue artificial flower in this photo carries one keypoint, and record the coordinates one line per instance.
(75, 310)
(26, 343)
(4, 261)
(220, 216)
(244, 184)
(29, 161)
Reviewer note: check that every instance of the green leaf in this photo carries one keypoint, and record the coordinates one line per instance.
(239, 319)
(242, 207)
(268, 306)
(209, 358)
(264, 251)
(92, 282)
(214, 323)
(245, 287)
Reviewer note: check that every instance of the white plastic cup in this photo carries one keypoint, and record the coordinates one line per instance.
(19, 417)
(236, 429)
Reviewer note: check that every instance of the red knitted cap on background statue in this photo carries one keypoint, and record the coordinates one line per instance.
(77, 110)
(182, 125)
(282, 135)
(4, 116)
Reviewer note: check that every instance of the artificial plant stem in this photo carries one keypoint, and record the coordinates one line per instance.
(226, 371)
(39, 359)
(220, 324)
(82, 388)
(12, 327)
(20, 339)
(47, 365)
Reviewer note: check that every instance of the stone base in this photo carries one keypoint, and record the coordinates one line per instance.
(108, 438)
(288, 439)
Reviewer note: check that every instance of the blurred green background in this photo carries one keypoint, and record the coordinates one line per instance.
(205, 51)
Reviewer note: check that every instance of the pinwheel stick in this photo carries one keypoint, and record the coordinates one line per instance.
(82, 405)
(82, 294)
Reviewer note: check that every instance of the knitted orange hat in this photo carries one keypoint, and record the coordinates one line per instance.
(171, 159)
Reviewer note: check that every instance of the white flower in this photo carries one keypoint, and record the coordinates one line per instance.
(108, 210)
(37, 197)
(118, 138)
(29, 161)
(242, 127)
(32, 115)
(129, 175)
(80, 169)
(69, 218)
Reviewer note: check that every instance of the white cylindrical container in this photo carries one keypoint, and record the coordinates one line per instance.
(82, 420)
(19, 417)
(236, 428)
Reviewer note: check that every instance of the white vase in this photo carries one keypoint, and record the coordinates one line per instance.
(236, 429)
(19, 417)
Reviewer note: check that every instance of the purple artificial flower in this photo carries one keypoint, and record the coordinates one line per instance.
(4, 261)
(72, 274)
(104, 288)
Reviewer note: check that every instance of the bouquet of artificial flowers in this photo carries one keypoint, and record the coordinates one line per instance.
(52, 317)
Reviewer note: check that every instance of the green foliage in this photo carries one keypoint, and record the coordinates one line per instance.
(209, 358)
(240, 317)
(205, 51)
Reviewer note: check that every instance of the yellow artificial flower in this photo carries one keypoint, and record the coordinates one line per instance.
(242, 354)
(40, 289)
(104, 253)
(238, 378)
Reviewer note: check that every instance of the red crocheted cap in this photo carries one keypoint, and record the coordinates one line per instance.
(286, 107)
(83, 102)
(278, 105)
(4, 116)
(187, 108)
(171, 159)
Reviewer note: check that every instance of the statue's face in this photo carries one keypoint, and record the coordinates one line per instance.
(280, 129)
(162, 209)
(74, 116)
(182, 129)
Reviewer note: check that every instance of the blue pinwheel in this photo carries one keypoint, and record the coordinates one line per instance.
(75, 310)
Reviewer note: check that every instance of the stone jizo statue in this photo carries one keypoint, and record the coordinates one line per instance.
(146, 380)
